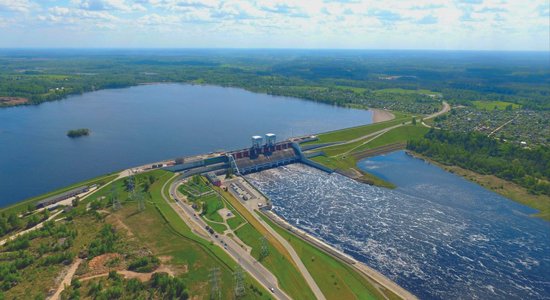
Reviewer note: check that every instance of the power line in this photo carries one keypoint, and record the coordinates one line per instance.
(114, 198)
(215, 290)
(239, 282)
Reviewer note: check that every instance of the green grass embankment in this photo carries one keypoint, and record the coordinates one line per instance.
(343, 158)
(357, 132)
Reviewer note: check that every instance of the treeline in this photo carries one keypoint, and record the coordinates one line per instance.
(529, 168)
(330, 77)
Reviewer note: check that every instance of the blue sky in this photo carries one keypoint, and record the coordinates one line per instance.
(353, 24)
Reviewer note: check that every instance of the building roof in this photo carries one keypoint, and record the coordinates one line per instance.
(63, 196)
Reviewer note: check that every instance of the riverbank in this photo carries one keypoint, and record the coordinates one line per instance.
(381, 115)
(500, 186)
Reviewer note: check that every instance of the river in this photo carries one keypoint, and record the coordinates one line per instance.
(437, 234)
(142, 124)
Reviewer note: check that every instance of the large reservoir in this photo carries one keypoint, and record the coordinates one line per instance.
(437, 235)
(143, 124)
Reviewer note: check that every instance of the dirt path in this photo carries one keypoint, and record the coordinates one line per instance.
(130, 274)
(37, 226)
(66, 280)
(501, 126)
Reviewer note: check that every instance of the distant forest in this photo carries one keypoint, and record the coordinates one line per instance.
(412, 81)
(529, 168)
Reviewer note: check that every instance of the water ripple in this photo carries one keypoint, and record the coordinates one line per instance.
(437, 235)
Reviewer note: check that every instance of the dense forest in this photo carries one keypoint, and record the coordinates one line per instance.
(412, 81)
(527, 167)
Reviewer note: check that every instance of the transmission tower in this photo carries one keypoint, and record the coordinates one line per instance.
(239, 282)
(131, 184)
(114, 198)
(264, 250)
(215, 292)
(140, 199)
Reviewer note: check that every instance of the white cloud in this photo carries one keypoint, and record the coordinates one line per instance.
(99, 5)
(290, 23)
(16, 5)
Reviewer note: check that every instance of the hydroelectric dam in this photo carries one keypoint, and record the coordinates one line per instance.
(263, 153)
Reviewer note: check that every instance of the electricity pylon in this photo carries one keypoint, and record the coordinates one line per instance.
(215, 291)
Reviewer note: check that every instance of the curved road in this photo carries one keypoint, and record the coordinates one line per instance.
(245, 260)
(446, 107)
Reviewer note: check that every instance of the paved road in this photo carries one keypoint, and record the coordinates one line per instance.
(301, 267)
(245, 260)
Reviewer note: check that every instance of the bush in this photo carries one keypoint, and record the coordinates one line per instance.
(19, 243)
(144, 264)
(104, 243)
(63, 257)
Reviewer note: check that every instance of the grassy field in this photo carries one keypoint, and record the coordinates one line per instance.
(213, 204)
(235, 222)
(348, 163)
(396, 135)
(290, 279)
(491, 105)
(219, 228)
(335, 279)
(400, 134)
(340, 157)
(21, 206)
(356, 132)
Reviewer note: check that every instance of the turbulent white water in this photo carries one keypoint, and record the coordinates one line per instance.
(437, 235)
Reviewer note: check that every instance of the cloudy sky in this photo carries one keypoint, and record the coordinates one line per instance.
(368, 24)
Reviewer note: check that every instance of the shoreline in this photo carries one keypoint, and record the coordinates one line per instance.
(504, 188)
(381, 115)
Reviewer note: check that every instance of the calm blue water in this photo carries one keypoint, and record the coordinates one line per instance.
(137, 125)
(437, 235)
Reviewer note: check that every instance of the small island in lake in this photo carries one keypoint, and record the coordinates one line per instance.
(74, 133)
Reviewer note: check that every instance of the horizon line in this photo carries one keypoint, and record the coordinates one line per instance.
(276, 49)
